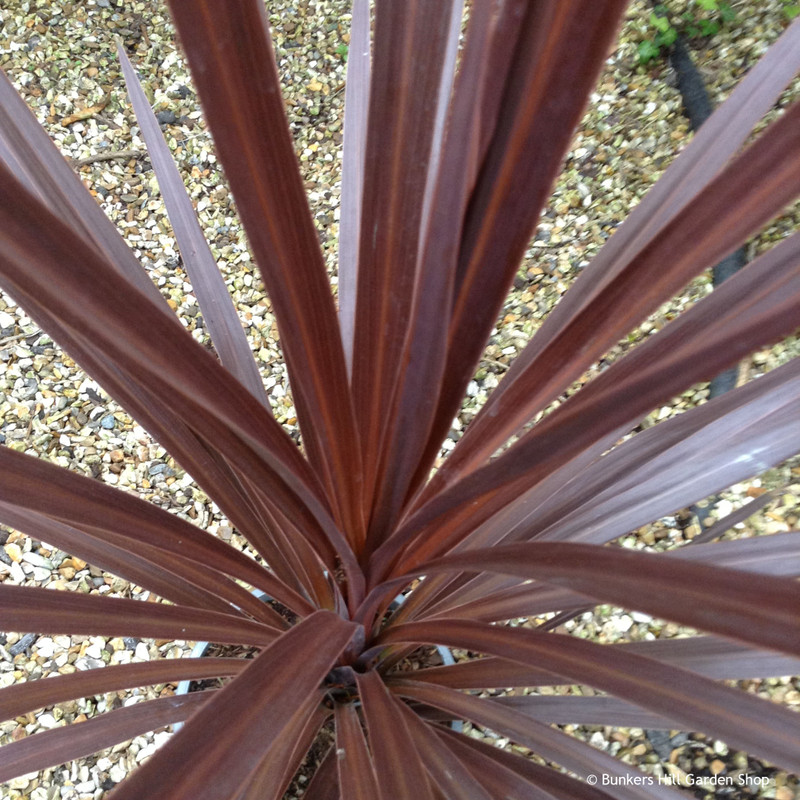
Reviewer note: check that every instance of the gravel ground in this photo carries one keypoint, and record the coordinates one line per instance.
(61, 58)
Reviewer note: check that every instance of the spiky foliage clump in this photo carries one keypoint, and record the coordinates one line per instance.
(448, 160)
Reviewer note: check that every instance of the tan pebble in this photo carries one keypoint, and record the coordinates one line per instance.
(92, 72)
(678, 775)
(639, 749)
(13, 551)
(67, 572)
(77, 563)
(117, 455)
(716, 766)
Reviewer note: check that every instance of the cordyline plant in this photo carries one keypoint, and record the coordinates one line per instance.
(449, 156)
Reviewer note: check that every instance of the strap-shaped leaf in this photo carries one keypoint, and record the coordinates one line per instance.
(489, 597)
(550, 743)
(35, 161)
(398, 768)
(404, 94)
(692, 348)
(20, 698)
(63, 744)
(27, 608)
(752, 189)
(447, 771)
(284, 755)
(707, 655)
(157, 352)
(218, 312)
(663, 468)
(33, 485)
(354, 138)
(353, 759)
(597, 710)
(500, 764)
(744, 721)
(451, 177)
(508, 774)
(675, 589)
(522, 390)
(548, 86)
(324, 784)
(230, 54)
(171, 576)
(254, 710)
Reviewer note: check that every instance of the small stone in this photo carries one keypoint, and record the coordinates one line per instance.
(23, 644)
(13, 551)
(225, 532)
(141, 652)
(108, 422)
(167, 117)
(37, 560)
(45, 647)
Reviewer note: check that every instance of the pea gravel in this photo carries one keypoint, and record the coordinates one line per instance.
(61, 58)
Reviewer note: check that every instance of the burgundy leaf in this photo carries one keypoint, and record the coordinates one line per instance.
(21, 698)
(548, 85)
(233, 65)
(744, 721)
(511, 771)
(447, 771)
(356, 102)
(353, 760)
(404, 94)
(547, 742)
(28, 152)
(451, 177)
(159, 353)
(398, 768)
(707, 655)
(63, 744)
(34, 485)
(284, 755)
(173, 577)
(323, 784)
(676, 589)
(596, 710)
(215, 303)
(254, 710)
(27, 608)
(664, 365)
(523, 392)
